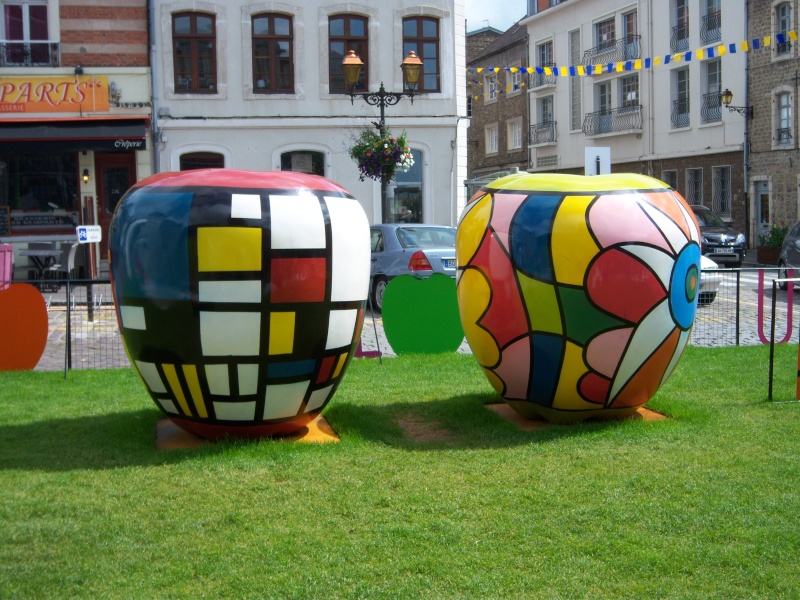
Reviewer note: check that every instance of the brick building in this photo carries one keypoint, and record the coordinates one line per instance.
(774, 161)
(76, 102)
(497, 84)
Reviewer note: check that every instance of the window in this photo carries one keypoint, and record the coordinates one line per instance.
(421, 34)
(345, 33)
(545, 110)
(30, 181)
(201, 160)
(491, 139)
(680, 98)
(516, 79)
(783, 135)
(694, 186)
(25, 33)
(711, 30)
(408, 192)
(721, 184)
(303, 161)
(194, 52)
(670, 177)
(514, 134)
(783, 23)
(273, 69)
(711, 111)
(630, 33)
(603, 104)
(604, 34)
(544, 54)
(629, 91)
(490, 87)
(680, 30)
(575, 105)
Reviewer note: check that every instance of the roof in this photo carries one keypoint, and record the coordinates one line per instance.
(510, 37)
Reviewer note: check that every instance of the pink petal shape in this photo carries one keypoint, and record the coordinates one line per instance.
(617, 219)
(605, 351)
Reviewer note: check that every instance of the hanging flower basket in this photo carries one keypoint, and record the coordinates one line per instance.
(381, 156)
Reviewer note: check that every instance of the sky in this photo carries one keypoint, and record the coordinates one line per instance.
(500, 14)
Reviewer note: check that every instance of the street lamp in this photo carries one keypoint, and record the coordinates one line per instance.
(727, 97)
(411, 66)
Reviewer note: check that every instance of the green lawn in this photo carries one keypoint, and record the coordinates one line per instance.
(704, 505)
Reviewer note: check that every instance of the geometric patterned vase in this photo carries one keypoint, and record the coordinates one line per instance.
(240, 295)
(577, 294)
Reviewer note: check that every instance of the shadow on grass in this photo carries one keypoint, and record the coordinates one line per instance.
(93, 442)
(460, 423)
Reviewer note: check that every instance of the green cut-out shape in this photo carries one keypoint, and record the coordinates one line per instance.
(421, 315)
(583, 320)
(541, 302)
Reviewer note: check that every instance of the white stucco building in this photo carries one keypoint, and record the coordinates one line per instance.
(258, 86)
(662, 115)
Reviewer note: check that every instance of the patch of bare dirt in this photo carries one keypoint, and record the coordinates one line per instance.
(421, 430)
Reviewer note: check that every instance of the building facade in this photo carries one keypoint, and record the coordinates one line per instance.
(259, 86)
(497, 82)
(643, 78)
(773, 85)
(76, 100)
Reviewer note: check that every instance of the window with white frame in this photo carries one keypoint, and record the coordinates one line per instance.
(783, 119)
(491, 139)
(629, 91)
(605, 34)
(712, 71)
(490, 87)
(514, 134)
(680, 26)
(680, 97)
(782, 16)
(545, 109)
(694, 186)
(544, 54)
(516, 79)
(26, 34)
(721, 190)
(670, 177)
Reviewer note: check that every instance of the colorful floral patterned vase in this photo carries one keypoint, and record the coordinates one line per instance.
(240, 295)
(577, 294)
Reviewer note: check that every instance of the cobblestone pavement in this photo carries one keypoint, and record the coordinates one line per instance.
(96, 342)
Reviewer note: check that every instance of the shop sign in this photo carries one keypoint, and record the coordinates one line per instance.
(45, 220)
(53, 94)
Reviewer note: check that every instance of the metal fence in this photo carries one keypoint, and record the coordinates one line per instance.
(84, 333)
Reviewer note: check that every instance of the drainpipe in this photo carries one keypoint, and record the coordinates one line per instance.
(154, 130)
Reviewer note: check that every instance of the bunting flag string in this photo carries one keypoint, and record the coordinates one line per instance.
(638, 64)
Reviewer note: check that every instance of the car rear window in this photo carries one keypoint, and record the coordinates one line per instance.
(427, 237)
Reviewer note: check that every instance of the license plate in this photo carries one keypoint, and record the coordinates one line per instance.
(449, 263)
(723, 251)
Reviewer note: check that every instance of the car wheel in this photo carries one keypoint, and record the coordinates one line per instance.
(706, 298)
(377, 292)
(782, 275)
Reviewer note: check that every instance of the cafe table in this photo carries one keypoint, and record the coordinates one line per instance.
(42, 259)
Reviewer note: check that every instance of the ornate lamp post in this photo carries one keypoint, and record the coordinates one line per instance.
(411, 66)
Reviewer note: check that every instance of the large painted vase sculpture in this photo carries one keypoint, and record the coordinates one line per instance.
(240, 295)
(577, 294)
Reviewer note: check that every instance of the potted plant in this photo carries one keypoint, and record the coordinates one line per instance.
(379, 154)
(770, 244)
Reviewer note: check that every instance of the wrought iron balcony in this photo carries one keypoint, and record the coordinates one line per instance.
(543, 133)
(711, 29)
(680, 38)
(29, 54)
(680, 113)
(711, 110)
(784, 135)
(627, 118)
(783, 48)
(627, 48)
(537, 80)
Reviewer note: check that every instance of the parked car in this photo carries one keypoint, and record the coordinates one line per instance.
(790, 255)
(721, 243)
(409, 248)
(709, 281)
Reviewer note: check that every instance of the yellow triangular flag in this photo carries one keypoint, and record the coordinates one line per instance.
(767, 40)
(793, 36)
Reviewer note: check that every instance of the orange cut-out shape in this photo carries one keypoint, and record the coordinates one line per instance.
(23, 327)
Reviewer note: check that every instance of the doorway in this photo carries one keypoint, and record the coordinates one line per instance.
(116, 173)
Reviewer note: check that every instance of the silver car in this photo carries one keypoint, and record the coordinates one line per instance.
(409, 249)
